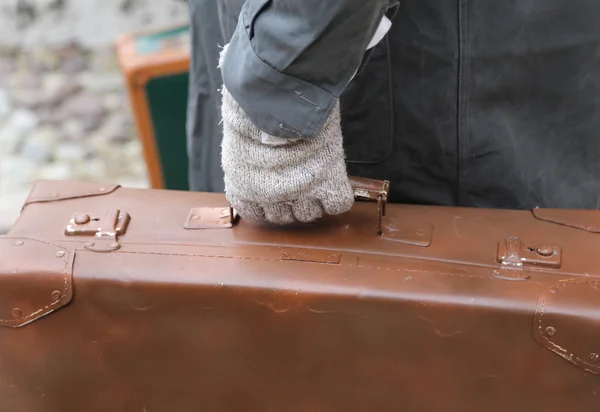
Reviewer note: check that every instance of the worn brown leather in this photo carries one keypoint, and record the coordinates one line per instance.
(588, 220)
(448, 309)
(51, 191)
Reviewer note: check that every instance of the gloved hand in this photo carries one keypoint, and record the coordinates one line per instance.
(279, 180)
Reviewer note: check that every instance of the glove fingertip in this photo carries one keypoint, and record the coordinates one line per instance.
(308, 210)
(338, 202)
(250, 211)
(279, 214)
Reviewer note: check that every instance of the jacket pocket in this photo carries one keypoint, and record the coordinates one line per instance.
(367, 110)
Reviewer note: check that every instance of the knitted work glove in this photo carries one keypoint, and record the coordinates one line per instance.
(278, 180)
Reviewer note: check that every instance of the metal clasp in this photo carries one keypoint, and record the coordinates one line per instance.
(390, 229)
(104, 231)
(372, 190)
(515, 257)
(211, 218)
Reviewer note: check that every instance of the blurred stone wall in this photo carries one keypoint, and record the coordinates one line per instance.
(64, 110)
(90, 23)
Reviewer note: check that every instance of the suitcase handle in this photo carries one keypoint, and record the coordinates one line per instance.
(372, 190)
(369, 190)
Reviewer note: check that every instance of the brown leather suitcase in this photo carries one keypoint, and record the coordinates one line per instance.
(137, 300)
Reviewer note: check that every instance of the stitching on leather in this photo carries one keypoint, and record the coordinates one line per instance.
(421, 271)
(196, 255)
(309, 262)
(586, 363)
(556, 348)
(540, 320)
(65, 281)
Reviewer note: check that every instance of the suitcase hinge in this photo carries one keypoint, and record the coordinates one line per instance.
(211, 218)
(105, 231)
(516, 257)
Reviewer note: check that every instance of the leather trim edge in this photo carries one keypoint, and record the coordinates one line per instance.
(563, 324)
(54, 190)
(586, 220)
(36, 279)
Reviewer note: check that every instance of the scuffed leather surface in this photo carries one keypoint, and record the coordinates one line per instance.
(564, 326)
(325, 317)
(53, 190)
(35, 280)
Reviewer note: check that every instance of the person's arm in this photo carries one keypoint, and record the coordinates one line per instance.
(283, 71)
(288, 61)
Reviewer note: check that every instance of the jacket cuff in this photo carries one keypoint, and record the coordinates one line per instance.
(278, 104)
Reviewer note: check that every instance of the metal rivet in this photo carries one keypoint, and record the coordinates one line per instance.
(19, 243)
(594, 357)
(114, 245)
(17, 313)
(223, 221)
(89, 244)
(553, 289)
(56, 295)
(82, 219)
(102, 189)
(545, 250)
(421, 232)
(60, 253)
(196, 217)
(550, 331)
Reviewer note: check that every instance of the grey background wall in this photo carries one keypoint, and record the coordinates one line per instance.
(90, 23)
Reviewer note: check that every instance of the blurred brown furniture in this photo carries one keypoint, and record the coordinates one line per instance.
(156, 64)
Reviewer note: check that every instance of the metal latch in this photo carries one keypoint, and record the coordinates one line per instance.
(390, 229)
(104, 231)
(372, 190)
(515, 257)
(211, 218)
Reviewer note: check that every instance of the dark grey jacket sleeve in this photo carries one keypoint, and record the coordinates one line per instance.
(288, 60)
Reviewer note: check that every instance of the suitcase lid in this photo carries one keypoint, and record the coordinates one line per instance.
(512, 244)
